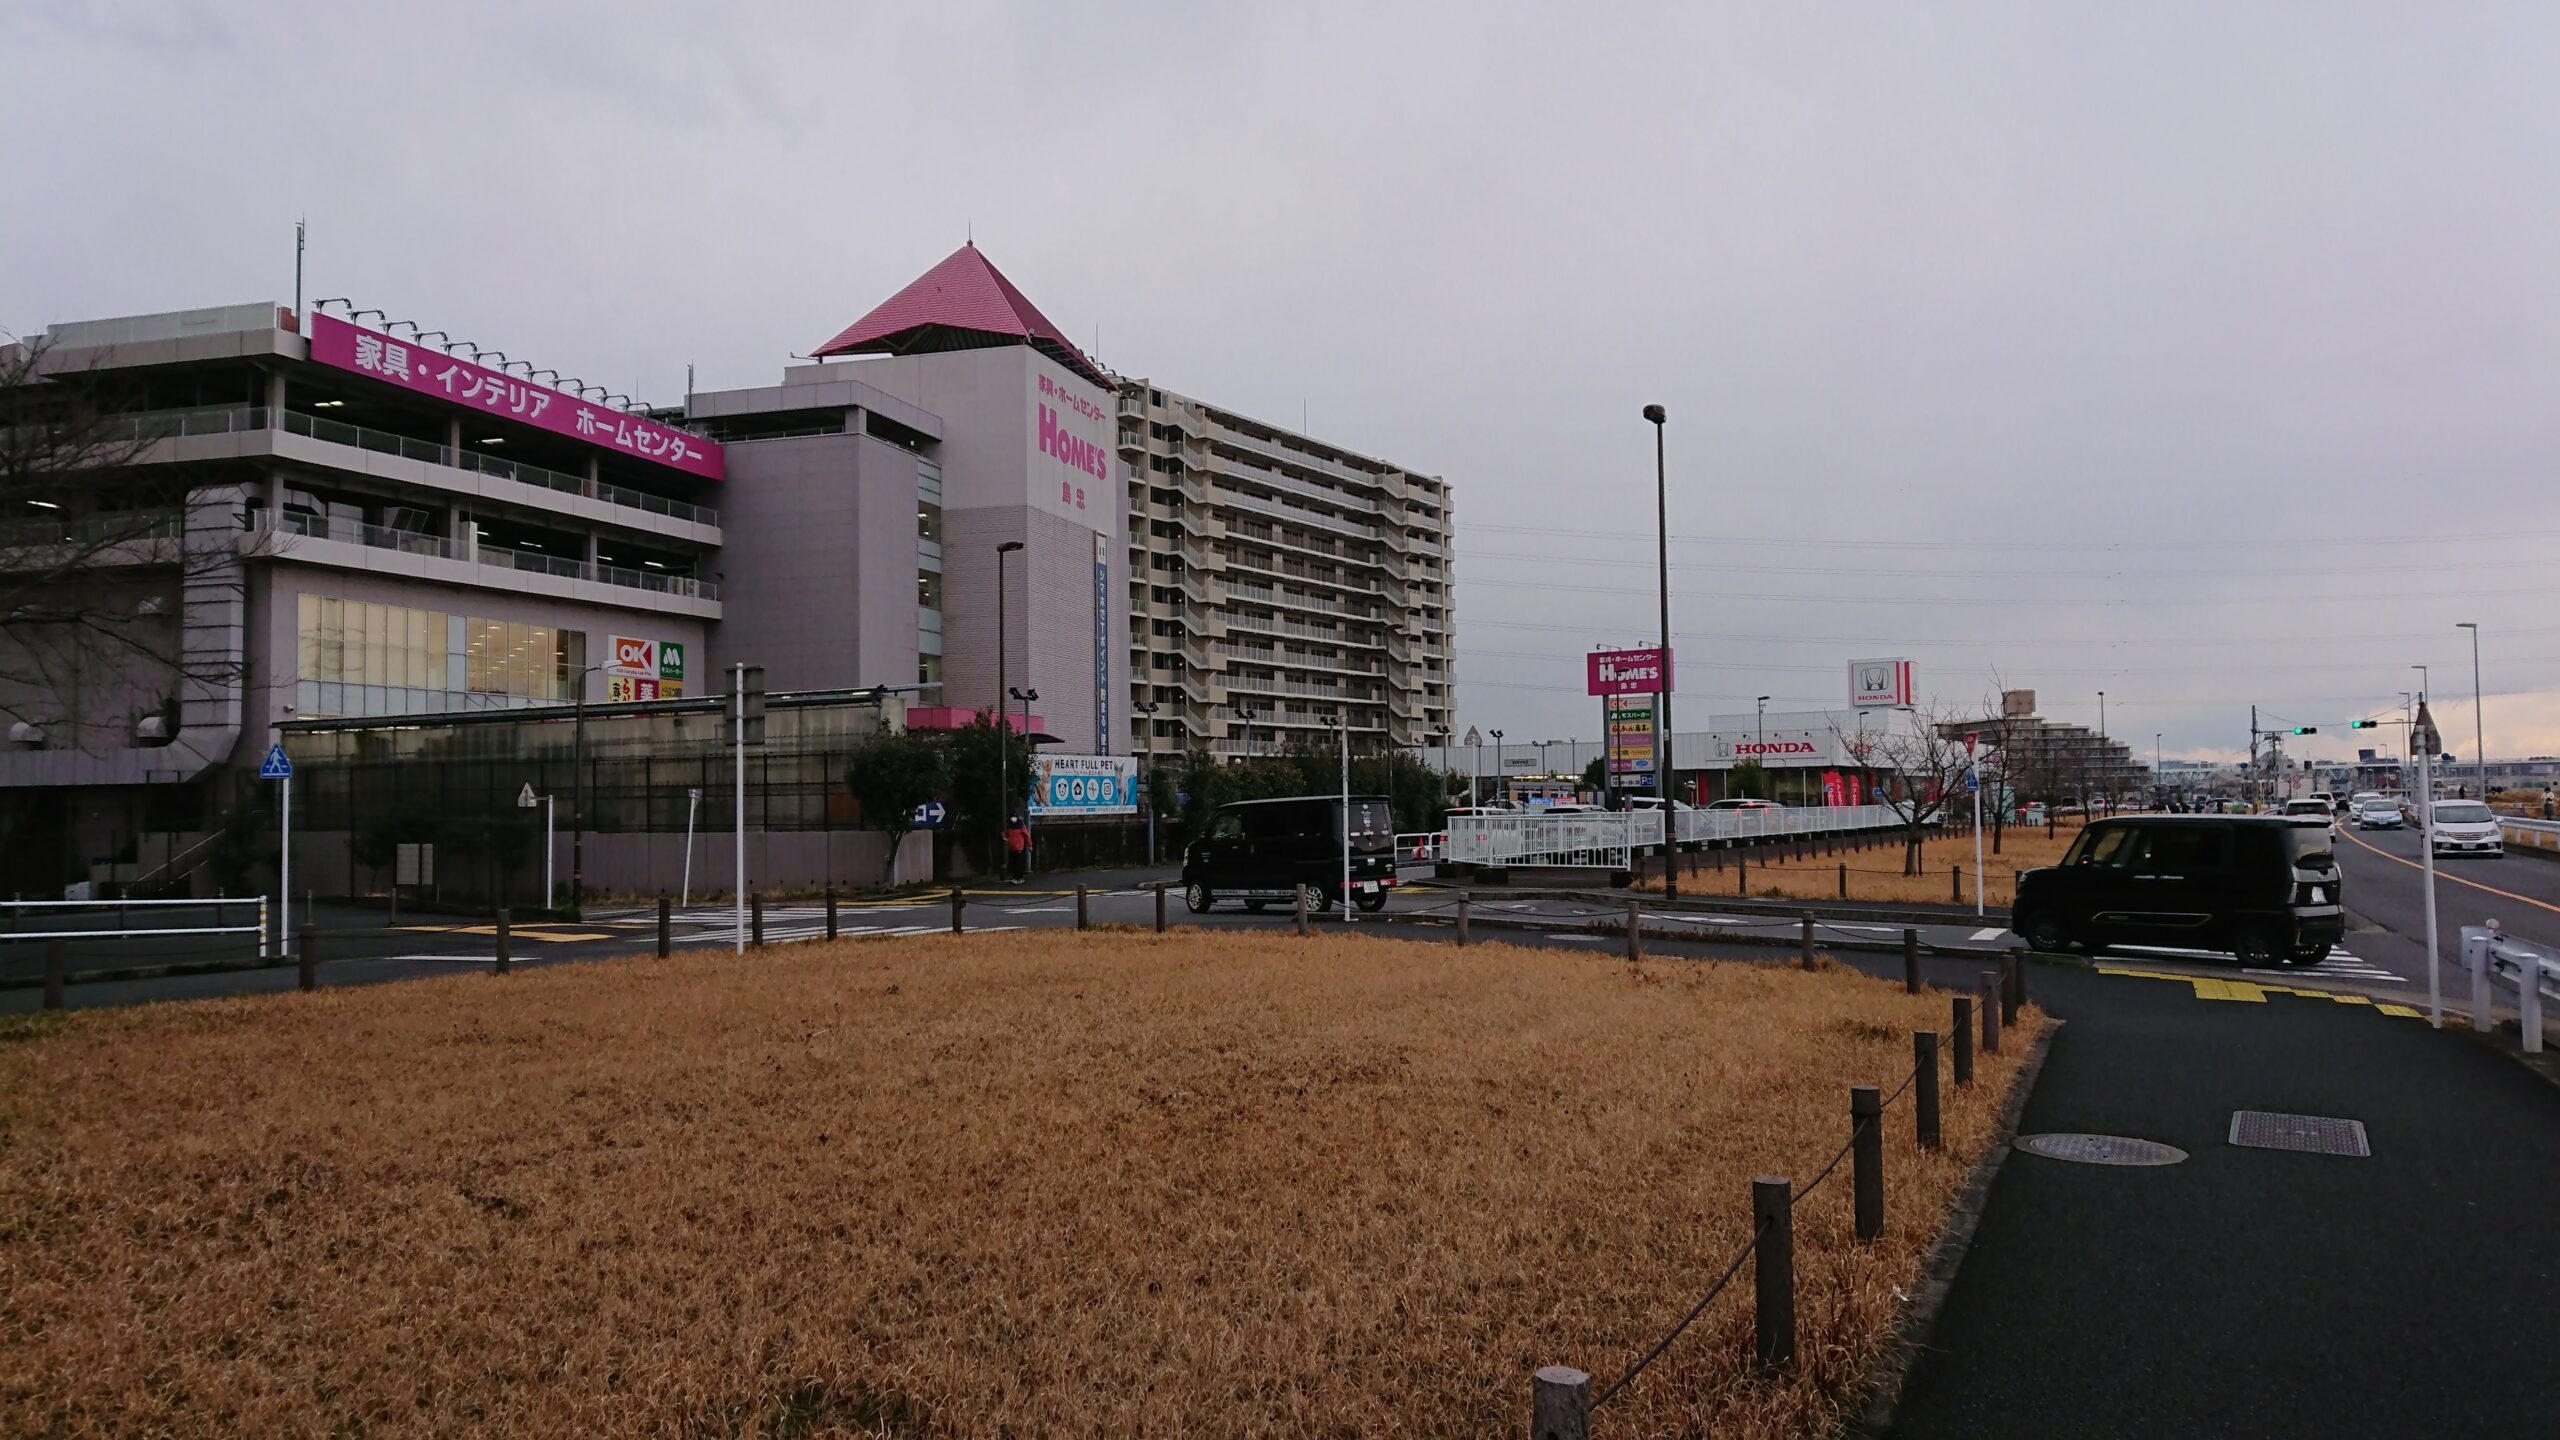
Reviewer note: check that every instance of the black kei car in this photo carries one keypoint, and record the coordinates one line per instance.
(2264, 887)
(1261, 851)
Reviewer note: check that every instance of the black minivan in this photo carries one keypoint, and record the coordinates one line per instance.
(1259, 851)
(2264, 887)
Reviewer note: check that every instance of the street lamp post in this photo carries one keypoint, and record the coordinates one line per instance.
(1497, 753)
(1004, 730)
(1146, 711)
(1762, 704)
(1026, 697)
(577, 803)
(2479, 744)
(1245, 713)
(1662, 762)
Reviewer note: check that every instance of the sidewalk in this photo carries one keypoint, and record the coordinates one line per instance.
(2249, 1291)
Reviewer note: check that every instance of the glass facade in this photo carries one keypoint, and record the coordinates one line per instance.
(928, 573)
(353, 657)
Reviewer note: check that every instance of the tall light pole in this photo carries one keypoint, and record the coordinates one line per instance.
(1146, 711)
(1245, 713)
(1662, 762)
(2479, 745)
(1497, 753)
(2156, 785)
(1004, 728)
(1763, 704)
(2102, 749)
(1026, 697)
(577, 802)
(2427, 762)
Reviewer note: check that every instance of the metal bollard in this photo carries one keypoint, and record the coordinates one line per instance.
(498, 965)
(956, 903)
(1159, 907)
(2009, 971)
(1962, 1033)
(1464, 898)
(1804, 941)
(309, 978)
(831, 912)
(1990, 1012)
(1301, 897)
(1560, 1404)
(1635, 932)
(1866, 1158)
(1084, 916)
(1773, 1271)
(1910, 962)
(666, 927)
(53, 974)
(1924, 1086)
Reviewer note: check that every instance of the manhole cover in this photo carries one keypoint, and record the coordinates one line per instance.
(2101, 1149)
(2313, 1134)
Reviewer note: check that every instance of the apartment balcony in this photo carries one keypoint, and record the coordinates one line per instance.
(1196, 556)
(1202, 689)
(1202, 590)
(1201, 655)
(1402, 704)
(1133, 405)
(1133, 442)
(1203, 521)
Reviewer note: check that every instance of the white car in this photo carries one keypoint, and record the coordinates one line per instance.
(2464, 827)
(2313, 809)
(2376, 812)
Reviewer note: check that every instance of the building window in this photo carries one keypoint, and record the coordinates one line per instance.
(356, 658)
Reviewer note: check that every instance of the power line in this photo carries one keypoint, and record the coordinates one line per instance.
(1828, 543)
(2083, 576)
(2286, 641)
(2012, 601)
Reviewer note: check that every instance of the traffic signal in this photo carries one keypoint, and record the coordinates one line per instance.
(2306, 729)
(2362, 724)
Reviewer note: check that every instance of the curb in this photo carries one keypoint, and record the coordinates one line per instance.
(1884, 1381)
(1773, 940)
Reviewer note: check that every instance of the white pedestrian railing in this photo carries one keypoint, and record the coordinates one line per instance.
(121, 919)
(1422, 847)
(1781, 820)
(1613, 838)
(2490, 954)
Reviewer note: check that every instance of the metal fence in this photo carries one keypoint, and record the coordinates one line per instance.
(1613, 838)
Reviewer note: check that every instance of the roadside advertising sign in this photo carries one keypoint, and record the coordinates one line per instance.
(1084, 785)
(1629, 672)
(1631, 735)
(1879, 684)
(637, 668)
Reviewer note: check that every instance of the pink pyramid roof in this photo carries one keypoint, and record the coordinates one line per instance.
(964, 303)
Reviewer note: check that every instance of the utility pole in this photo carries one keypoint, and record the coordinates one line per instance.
(1663, 766)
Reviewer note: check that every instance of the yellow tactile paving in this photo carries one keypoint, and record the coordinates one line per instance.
(2214, 987)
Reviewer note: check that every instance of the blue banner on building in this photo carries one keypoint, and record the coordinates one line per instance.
(1084, 785)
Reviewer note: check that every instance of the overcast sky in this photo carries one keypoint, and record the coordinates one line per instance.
(2204, 355)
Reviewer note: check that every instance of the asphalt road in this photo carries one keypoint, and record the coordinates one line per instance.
(2386, 901)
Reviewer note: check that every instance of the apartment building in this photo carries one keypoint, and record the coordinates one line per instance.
(1277, 580)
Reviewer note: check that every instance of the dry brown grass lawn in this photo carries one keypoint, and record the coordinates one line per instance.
(1876, 874)
(1027, 1184)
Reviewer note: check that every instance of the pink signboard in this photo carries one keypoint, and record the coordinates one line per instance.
(430, 371)
(1630, 672)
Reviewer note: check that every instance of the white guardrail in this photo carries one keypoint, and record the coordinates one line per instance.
(112, 918)
(2491, 954)
(2530, 834)
(1612, 838)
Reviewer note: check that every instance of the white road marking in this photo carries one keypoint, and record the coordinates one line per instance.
(1989, 932)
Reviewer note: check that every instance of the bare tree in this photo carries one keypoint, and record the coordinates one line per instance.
(1922, 771)
(100, 554)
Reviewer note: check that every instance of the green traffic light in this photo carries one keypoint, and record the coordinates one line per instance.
(2362, 724)
(2306, 729)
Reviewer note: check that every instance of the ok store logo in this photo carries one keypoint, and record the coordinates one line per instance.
(635, 655)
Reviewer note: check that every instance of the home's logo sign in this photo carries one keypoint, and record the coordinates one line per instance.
(1070, 449)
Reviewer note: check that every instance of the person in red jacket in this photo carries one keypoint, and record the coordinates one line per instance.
(1017, 850)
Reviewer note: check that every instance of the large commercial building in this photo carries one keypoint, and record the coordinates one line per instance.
(1277, 581)
(294, 519)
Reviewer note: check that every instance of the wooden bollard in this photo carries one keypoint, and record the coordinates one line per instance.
(831, 912)
(755, 919)
(1560, 1404)
(498, 964)
(1301, 899)
(1924, 1086)
(1955, 884)
(957, 900)
(1741, 872)
(53, 974)
(1910, 962)
(1804, 940)
(1773, 1271)
(1844, 879)
(1159, 907)
(1635, 932)
(1866, 1159)
(309, 977)
(1084, 918)
(2010, 968)
(1961, 1032)
(666, 927)
(1464, 897)
(1990, 1012)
